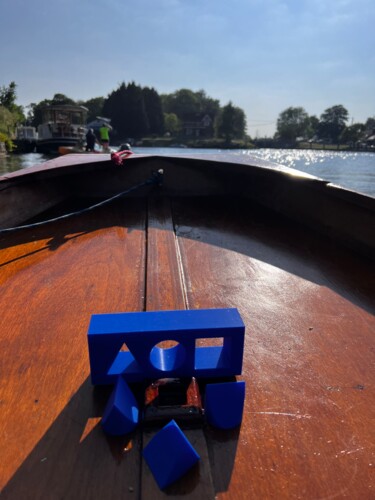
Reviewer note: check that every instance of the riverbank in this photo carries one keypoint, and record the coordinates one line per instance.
(173, 142)
(176, 142)
(3, 150)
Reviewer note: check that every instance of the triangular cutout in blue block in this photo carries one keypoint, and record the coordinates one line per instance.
(224, 404)
(169, 455)
(121, 414)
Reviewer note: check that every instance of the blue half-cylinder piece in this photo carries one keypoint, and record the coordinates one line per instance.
(142, 331)
(224, 404)
(121, 413)
(169, 455)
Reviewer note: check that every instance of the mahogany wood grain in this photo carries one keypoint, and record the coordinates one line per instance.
(308, 427)
(165, 291)
(165, 287)
(52, 445)
(308, 306)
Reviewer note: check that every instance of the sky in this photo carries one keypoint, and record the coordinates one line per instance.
(262, 55)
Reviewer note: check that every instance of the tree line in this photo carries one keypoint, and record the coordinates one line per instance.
(11, 114)
(138, 112)
(294, 124)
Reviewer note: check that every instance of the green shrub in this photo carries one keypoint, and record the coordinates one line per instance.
(7, 141)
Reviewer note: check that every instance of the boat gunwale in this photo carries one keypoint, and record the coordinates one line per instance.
(318, 204)
(82, 162)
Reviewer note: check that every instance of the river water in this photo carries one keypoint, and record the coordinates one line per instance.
(355, 171)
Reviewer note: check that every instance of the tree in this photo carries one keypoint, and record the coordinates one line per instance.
(8, 96)
(292, 123)
(182, 103)
(94, 106)
(333, 122)
(62, 99)
(171, 123)
(370, 123)
(353, 133)
(313, 127)
(211, 108)
(154, 111)
(208, 105)
(126, 108)
(34, 115)
(114, 106)
(137, 121)
(191, 106)
(232, 123)
(7, 121)
(11, 114)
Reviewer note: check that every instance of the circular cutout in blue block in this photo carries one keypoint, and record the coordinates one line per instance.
(224, 404)
(168, 359)
(169, 455)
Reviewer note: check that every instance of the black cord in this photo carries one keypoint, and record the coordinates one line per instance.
(156, 178)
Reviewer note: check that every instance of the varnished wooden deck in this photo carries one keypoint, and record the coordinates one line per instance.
(308, 425)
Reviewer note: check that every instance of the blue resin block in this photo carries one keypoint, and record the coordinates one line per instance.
(141, 332)
(224, 404)
(169, 455)
(121, 414)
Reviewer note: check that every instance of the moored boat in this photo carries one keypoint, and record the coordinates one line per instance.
(62, 125)
(293, 253)
(25, 140)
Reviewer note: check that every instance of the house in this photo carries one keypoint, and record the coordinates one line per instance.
(367, 140)
(198, 125)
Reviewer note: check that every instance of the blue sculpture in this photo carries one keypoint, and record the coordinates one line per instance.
(121, 413)
(224, 404)
(141, 332)
(169, 455)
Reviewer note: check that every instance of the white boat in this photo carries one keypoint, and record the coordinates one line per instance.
(25, 140)
(63, 125)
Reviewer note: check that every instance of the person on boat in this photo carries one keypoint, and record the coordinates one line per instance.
(90, 140)
(104, 136)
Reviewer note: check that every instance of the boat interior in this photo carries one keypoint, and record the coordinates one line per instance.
(291, 253)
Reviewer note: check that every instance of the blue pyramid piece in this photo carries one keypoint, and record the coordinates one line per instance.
(224, 404)
(121, 413)
(169, 455)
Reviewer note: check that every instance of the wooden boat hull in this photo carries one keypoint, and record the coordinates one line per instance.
(307, 302)
(329, 209)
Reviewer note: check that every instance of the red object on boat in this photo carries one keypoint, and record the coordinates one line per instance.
(120, 156)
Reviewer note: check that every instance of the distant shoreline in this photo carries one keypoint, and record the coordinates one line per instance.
(238, 144)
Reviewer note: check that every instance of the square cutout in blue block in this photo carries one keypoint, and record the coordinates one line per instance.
(169, 455)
